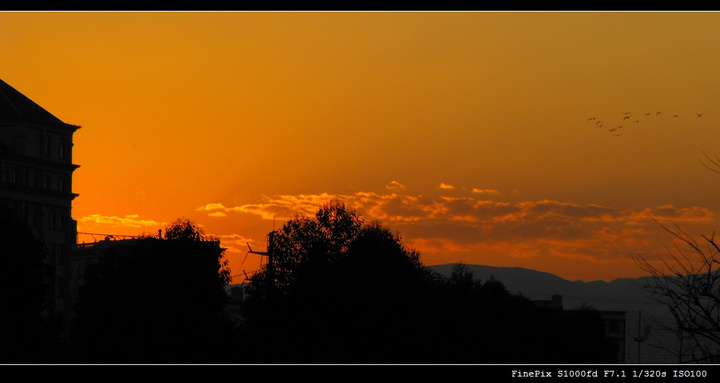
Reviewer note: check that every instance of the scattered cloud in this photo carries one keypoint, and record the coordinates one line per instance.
(443, 185)
(484, 191)
(472, 226)
(395, 207)
(234, 243)
(484, 220)
(394, 185)
(448, 228)
(211, 206)
(131, 221)
(97, 226)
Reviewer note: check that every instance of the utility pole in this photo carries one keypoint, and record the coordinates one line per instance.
(642, 335)
(270, 261)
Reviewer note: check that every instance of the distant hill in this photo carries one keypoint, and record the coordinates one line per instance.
(620, 294)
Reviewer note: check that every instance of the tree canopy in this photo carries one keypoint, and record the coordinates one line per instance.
(28, 332)
(156, 300)
(339, 290)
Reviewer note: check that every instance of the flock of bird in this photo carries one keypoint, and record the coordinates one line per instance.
(628, 118)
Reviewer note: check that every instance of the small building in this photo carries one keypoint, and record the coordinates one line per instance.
(614, 324)
(234, 305)
(615, 331)
(85, 255)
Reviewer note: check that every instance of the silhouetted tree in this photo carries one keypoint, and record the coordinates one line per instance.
(304, 243)
(689, 287)
(484, 323)
(345, 291)
(29, 333)
(153, 300)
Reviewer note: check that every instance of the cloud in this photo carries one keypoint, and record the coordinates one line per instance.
(94, 225)
(672, 213)
(131, 220)
(233, 243)
(484, 191)
(543, 216)
(471, 224)
(394, 185)
(443, 185)
(211, 206)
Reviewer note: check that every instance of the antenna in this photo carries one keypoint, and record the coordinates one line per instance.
(255, 252)
(269, 264)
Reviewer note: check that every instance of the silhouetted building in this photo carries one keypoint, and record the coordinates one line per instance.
(614, 322)
(234, 305)
(36, 179)
(615, 331)
(85, 255)
(556, 302)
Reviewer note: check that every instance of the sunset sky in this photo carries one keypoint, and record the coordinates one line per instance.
(479, 137)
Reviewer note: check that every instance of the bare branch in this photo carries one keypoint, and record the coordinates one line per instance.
(689, 287)
(715, 162)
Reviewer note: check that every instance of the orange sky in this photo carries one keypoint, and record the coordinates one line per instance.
(465, 132)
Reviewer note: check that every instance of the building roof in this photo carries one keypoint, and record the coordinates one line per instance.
(18, 107)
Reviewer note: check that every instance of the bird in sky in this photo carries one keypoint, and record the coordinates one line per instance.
(615, 130)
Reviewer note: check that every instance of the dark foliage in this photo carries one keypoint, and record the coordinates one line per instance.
(28, 332)
(156, 301)
(355, 294)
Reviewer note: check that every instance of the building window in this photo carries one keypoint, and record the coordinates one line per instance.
(60, 287)
(31, 177)
(30, 215)
(61, 149)
(62, 220)
(53, 219)
(12, 174)
(61, 254)
(51, 253)
(46, 145)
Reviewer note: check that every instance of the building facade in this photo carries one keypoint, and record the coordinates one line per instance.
(36, 172)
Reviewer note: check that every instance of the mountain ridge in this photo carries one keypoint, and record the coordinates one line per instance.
(619, 294)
